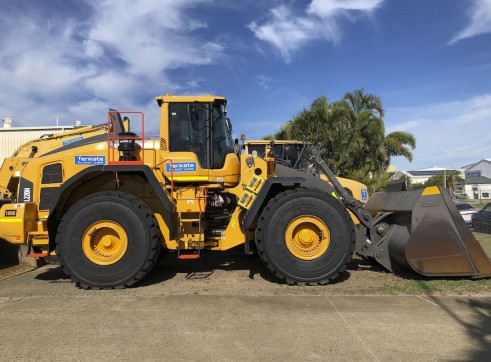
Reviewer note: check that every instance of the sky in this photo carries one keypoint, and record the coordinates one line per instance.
(428, 61)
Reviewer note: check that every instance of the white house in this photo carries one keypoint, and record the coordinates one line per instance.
(420, 176)
(478, 180)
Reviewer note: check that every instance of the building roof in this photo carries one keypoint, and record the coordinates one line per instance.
(487, 160)
(424, 173)
(478, 180)
(430, 171)
(13, 129)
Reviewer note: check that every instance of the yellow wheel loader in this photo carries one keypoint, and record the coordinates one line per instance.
(106, 200)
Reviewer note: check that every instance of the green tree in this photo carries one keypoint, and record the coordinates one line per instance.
(449, 178)
(400, 143)
(350, 134)
(363, 114)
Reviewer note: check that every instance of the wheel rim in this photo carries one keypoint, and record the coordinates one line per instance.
(307, 237)
(104, 242)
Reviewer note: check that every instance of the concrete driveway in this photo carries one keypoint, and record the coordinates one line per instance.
(228, 315)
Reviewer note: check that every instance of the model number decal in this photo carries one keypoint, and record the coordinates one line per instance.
(90, 160)
(10, 212)
(27, 194)
(181, 167)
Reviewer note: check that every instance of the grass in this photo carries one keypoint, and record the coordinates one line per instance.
(447, 286)
(476, 204)
(418, 285)
(485, 240)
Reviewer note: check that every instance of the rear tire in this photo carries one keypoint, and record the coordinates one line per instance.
(108, 240)
(305, 236)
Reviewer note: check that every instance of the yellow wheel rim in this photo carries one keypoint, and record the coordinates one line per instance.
(307, 237)
(104, 242)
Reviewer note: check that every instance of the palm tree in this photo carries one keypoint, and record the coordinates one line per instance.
(396, 143)
(448, 178)
(364, 115)
(350, 134)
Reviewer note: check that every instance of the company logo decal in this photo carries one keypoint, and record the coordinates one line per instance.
(73, 140)
(90, 160)
(181, 167)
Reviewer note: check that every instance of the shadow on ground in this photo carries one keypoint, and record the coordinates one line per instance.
(169, 266)
(478, 328)
(9, 254)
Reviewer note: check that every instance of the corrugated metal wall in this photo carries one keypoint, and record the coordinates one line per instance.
(12, 138)
(484, 166)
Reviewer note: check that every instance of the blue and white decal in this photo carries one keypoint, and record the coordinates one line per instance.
(181, 167)
(364, 195)
(90, 160)
(73, 140)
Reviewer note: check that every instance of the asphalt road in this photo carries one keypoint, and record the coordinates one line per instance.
(231, 313)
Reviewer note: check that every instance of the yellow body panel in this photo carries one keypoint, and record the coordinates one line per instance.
(16, 220)
(432, 190)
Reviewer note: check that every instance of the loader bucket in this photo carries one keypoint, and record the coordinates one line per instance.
(422, 230)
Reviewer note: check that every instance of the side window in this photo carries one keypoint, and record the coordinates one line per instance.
(219, 146)
(187, 135)
(260, 149)
(52, 174)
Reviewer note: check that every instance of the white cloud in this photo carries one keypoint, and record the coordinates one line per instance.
(263, 81)
(90, 54)
(451, 134)
(479, 15)
(152, 36)
(288, 31)
(329, 8)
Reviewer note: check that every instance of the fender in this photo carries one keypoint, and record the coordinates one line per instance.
(60, 197)
(288, 178)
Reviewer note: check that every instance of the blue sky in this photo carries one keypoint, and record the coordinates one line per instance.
(429, 61)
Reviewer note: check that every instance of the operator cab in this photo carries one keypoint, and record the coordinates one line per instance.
(196, 140)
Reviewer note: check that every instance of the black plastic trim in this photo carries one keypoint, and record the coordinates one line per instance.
(46, 197)
(285, 182)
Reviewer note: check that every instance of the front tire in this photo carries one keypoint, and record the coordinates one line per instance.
(305, 236)
(108, 240)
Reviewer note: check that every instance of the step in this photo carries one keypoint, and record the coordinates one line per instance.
(188, 256)
(37, 255)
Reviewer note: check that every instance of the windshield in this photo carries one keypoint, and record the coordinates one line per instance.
(462, 207)
(292, 155)
(223, 143)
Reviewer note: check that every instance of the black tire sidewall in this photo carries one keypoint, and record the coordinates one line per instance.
(121, 210)
(334, 216)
